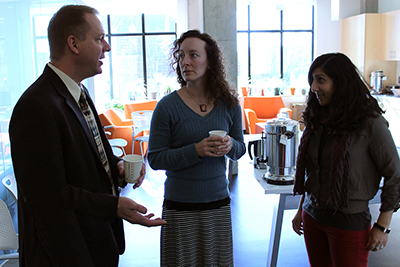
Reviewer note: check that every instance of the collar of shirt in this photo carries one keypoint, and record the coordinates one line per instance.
(72, 86)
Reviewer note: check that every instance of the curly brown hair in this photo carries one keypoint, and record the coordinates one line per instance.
(218, 87)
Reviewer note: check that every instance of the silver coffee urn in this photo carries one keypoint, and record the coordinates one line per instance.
(259, 156)
(282, 137)
(377, 79)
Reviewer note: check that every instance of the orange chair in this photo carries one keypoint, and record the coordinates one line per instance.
(117, 127)
(261, 109)
(137, 106)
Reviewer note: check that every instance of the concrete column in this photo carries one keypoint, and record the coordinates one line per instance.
(369, 6)
(220, 22)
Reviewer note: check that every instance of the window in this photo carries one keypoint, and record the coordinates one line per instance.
(140, 44)
(137, 67)
(275, 44)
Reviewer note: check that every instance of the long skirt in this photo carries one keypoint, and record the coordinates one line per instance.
(197, 238)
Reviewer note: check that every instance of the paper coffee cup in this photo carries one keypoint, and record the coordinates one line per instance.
(217, 133)
(133, 166)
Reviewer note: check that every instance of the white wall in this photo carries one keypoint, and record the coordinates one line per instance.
(182, 17)
(328, 33)
(388, 5)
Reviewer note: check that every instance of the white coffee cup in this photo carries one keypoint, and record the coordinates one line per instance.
(217, 133)
(133, 166)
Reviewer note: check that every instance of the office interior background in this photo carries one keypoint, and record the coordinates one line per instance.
(264, 42)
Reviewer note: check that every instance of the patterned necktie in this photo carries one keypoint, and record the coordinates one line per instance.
(96, 136)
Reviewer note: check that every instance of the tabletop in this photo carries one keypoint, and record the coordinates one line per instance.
(246, 168)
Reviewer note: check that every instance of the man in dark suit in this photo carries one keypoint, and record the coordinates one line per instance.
(70, 212)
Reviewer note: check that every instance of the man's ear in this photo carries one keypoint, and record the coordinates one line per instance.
(72, 43)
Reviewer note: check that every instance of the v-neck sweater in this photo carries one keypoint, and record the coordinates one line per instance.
(175, 129)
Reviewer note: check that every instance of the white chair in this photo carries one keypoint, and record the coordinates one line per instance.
(8, 236)
(11, 185)
(141, 122)
(117, 145)
(117, 151)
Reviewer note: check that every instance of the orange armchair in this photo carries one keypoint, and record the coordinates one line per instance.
(117, 127)
(261, 109)
(138, 106)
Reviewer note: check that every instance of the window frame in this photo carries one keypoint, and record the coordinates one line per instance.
(143, 34)
(281, 31)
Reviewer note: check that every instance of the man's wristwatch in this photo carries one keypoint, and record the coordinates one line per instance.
(383, 229)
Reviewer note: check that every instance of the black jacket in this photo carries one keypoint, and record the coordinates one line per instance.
(67, 213)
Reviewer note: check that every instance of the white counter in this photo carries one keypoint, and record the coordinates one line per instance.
(284, 200)
(391, 104)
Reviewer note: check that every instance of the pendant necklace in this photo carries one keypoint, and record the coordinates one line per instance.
(203, 107)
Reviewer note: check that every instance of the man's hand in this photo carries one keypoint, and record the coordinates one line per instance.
(121, 172)
(132, 212)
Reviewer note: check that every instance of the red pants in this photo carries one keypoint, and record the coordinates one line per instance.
(330, 246)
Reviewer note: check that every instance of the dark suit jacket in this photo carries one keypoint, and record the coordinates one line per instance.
(67, 213)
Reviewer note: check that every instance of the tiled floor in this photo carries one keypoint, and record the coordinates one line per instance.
(251, 219)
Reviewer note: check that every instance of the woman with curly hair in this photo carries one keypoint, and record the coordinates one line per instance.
(345, 150)
(196, 198)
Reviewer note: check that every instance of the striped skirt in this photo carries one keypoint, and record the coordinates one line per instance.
(197, 238)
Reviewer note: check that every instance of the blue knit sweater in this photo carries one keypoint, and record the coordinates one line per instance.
(175, 129)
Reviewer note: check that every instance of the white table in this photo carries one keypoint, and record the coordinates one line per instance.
(284, 201)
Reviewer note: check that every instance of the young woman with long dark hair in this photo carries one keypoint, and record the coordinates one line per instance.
(345, 150)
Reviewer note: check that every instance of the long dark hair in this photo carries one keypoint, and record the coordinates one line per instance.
(351, 106)
(218, 87)
(352, 102)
